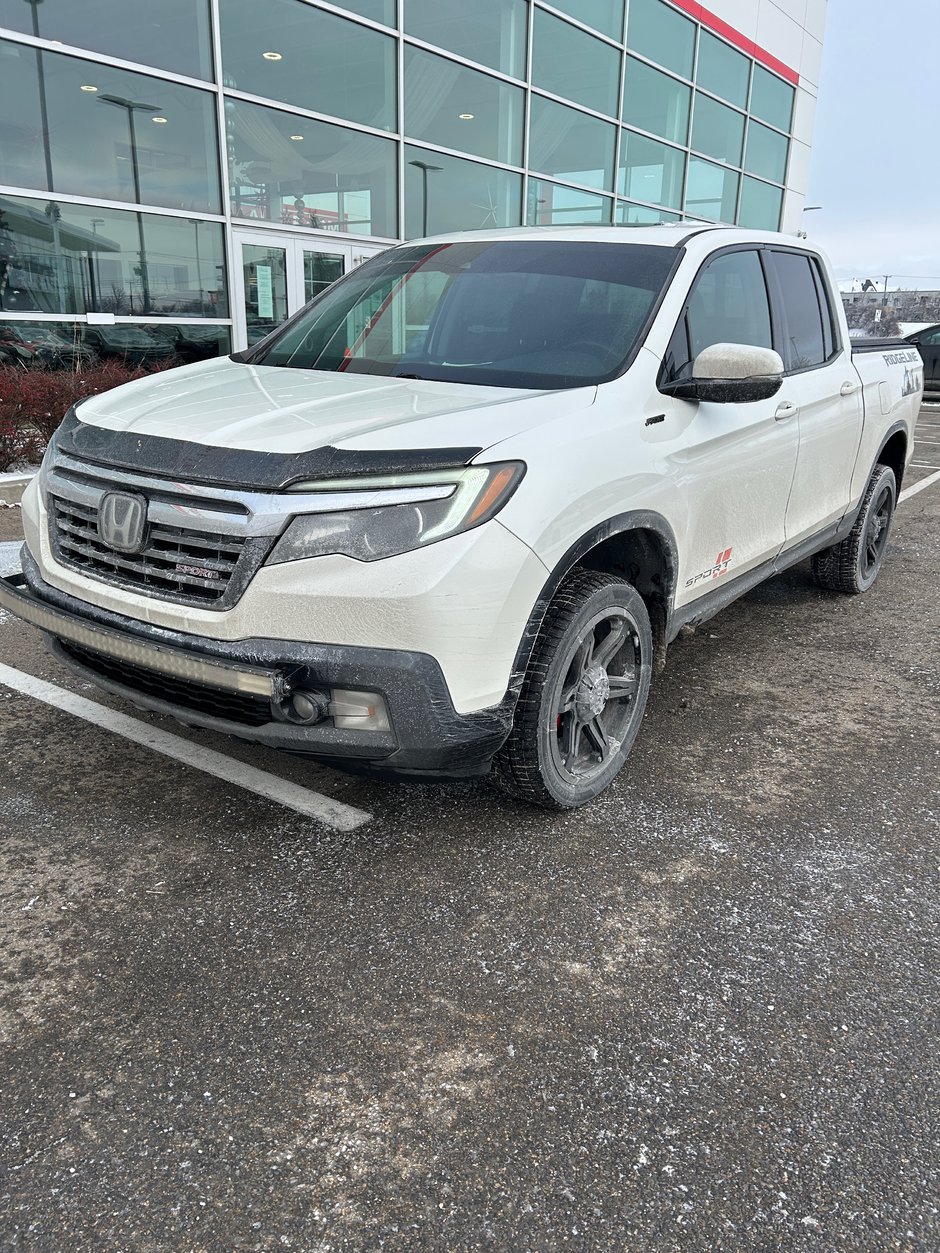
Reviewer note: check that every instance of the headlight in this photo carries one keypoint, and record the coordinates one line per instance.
(416, 509)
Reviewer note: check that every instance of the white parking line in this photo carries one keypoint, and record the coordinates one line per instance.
(310, 804)
(919, 487)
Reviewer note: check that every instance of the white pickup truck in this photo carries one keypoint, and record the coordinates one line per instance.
(448, 517)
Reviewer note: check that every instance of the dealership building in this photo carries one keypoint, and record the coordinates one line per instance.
(178, 177)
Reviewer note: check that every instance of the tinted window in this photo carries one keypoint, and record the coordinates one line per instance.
(504, 314)
(728, 305)
(489, 31)
(930, 340)
(804, 344)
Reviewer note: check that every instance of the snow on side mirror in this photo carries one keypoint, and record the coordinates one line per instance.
(731, 374)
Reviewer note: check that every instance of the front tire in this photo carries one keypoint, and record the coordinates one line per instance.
(853, 565)
(583, 696)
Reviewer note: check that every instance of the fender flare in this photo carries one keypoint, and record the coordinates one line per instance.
(620, 524)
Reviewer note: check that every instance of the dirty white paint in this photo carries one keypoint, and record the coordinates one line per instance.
(311, 804)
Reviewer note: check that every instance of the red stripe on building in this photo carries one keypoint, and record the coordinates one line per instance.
(720, 27)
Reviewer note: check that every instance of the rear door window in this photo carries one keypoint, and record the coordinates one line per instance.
(804, 339)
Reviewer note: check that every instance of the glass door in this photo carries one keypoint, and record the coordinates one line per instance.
(275, 275)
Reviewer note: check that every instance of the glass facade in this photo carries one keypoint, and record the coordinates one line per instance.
(129, 186)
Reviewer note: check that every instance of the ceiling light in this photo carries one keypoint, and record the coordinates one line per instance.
(88, 87)
(296, 137)
(466, 117)
(158, 121)
(272, 56)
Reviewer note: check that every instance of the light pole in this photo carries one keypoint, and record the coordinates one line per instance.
(195, 225)
(425, 169)
(131, 107)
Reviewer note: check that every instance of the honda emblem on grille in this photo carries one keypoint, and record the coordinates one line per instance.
(122, 521)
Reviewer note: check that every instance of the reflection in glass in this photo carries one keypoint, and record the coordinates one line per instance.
(604, 15)
(89, 129)
(717, 130)
(570, 144)
(172, 34)
(553, 205)
(639, 215)
(265, 274)
(722, 70)
(653, 101)
(771, 99)
(455, 107)
(76, 346)
(711, 191)
(287, 50)
(66, 258)
(650, 171)
(374, 10)
(568, 62)
(656, 31)
(320, 270)
(284, 168)
(760, 205)
(492, 32)
(766, 152)
(455, 195)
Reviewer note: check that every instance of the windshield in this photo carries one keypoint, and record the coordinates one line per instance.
(527, 314)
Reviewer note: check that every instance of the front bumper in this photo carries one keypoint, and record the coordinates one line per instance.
(241, 687)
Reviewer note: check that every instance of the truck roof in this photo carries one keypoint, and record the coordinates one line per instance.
(670, 235)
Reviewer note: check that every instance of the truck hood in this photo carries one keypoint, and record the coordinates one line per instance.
(274, 409)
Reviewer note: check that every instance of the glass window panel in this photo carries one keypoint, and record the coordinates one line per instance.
(552, 205)
(173, 34)
(112, 134)
(639, 215)
(570, 144)
(136, 346)
(760, 206)
(264, 271)
(455, 107)
(650, 171)
(722, 69)
(66, 258)
(771, 99)
(766, 152)
(656, 31)
(655, 102)
(492, 32)
(604, 15)
(320, 270)
(375, 10)
(804, 345)
(285, 168)
(446, 194)
(289, 51)
(711, 191)
(729, 305)
(717, 130)
(23, 156)
(570, 63)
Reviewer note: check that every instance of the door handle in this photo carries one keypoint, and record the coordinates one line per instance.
(848, 389)
(786, 410)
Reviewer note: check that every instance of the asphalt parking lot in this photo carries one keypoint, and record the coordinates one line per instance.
(700, 1014)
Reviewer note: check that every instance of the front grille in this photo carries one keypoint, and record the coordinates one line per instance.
(181, 564)
(250, 711)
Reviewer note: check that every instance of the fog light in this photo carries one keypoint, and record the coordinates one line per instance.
(358, 711)
(308, 706)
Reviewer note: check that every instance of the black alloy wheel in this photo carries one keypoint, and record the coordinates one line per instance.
(853, 565)
(584, 694)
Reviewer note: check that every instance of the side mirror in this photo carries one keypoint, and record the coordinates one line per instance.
(731, 374)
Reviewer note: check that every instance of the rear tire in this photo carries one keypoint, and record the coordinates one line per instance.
(853, 565)
(583, 695)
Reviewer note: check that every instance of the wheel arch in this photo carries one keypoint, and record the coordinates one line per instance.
(893, 451)
(640, 544)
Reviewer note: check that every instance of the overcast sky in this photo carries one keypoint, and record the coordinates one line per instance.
(876, 152)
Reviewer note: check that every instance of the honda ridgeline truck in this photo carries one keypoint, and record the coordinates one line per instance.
(448, 517)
